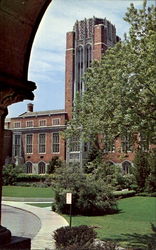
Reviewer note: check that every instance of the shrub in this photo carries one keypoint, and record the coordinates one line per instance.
(90, 197)
(124, 194)
(10, 174)
(31, 178)
(55, 162)
(141, 168)
(70, 238)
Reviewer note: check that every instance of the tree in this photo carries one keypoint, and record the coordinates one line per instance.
(141, 169)
(120, 94)
(55, 162)
(89, 196)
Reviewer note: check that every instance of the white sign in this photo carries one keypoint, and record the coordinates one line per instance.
(68, 198)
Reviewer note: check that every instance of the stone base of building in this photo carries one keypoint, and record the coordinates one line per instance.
(17, 243)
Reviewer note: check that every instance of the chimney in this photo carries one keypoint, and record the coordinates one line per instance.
(30, 107)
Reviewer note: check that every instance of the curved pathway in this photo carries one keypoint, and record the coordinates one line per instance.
(49, 220)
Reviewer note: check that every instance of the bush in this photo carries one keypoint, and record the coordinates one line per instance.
(55, 162)
(89, 197)
(81, 237)
(124, 194)
(10, 174)
(33, 177)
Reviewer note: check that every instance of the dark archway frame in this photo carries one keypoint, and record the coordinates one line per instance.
(19, 21)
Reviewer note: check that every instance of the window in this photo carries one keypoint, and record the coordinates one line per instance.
(56, 143)
(55, 121)
(88, 55)
(74, 145)
(126, 165)
(126, 142)
(29, 124)
(144, 142)
(17, 125)
(28, 167)
(42, 145)
(17, 145)
(42, 123)
(79, 68)
(41, 167)
(29, 144)
(108, 144)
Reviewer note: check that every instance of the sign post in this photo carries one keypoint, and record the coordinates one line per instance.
(69, 201)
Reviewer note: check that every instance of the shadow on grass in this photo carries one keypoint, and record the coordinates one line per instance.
(136, 241)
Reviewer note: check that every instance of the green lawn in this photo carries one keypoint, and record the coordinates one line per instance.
(132, 224)
(34, 192)
(40, 204)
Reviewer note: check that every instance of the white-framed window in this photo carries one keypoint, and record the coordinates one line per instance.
(55, 142)
(41, 167)
(55, 121)
(17, 124)
(28, 165)
(126, 142)
(29, 143)
(29, 124)
(42, 143)
(74, 144)
(17, 145)
(42, 123)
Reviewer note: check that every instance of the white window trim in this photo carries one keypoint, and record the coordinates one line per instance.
(19, 125)
(26, 143)
(52, 143)
(45, 123)
(30, 126)
(45, 142)
(56, 124)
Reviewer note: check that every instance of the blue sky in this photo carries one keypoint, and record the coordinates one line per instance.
(47, 61)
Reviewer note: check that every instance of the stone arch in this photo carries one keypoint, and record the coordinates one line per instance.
(41, 167)
(126, 166)
(88, 54)
(110, 163)
(28, 166)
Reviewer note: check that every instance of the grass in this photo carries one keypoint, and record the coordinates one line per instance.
(132, 224)
(27, 192)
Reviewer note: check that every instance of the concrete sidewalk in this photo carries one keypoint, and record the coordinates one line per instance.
(50, 221)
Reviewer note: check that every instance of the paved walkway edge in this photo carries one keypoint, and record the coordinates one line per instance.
(50, 221)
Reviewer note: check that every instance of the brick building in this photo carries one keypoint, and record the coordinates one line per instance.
(36, 138)
(36, 135)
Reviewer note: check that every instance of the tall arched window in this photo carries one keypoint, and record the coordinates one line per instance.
(79, 68)
(41, 167)
(126, 165)
(28, 165)
(88, 55)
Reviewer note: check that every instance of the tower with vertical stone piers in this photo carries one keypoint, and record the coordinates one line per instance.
(87, 42)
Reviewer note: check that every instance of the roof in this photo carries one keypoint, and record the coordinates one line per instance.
(42, 113)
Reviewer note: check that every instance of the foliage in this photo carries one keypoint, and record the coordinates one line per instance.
(145, 170)
(124, 194)
(55, 162)
(110, 104)
(70, 238)
(151, 179)
(89, 197)
(111, 174)
(10, 174)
